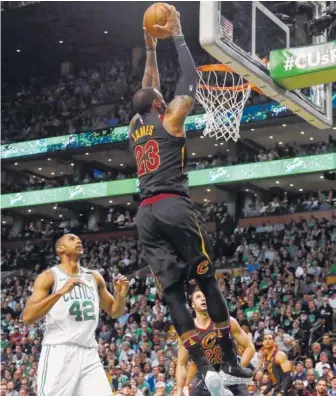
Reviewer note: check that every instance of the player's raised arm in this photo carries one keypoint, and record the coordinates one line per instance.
(41, 301)
(113, 306)
(151, 76)
(243, 341)
(179, 108)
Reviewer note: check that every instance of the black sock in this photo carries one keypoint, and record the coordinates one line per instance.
(225, 341)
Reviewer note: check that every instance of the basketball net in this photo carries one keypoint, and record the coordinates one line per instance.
(223, 94)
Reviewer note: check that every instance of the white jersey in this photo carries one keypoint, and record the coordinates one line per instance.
(74, 317)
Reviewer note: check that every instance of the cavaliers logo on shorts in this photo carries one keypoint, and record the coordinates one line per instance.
(203, 268)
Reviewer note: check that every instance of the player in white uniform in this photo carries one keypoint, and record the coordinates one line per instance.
(70, 296)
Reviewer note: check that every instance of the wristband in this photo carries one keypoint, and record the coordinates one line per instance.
(150, 49)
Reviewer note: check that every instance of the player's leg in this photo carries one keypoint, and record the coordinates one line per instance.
(170, 271)
(93, 380)
(57, 373)
(184, 229)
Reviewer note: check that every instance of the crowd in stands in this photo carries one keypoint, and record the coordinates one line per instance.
(116, 218)
(274, 278)
(11, 183)
(113, 218)
(75, 102)
(88, 99)
(303, 203)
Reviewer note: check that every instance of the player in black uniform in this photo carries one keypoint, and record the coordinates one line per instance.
(173, 237)
(187, 375)
(278, 368)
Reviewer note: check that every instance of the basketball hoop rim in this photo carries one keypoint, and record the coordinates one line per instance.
(225, 68)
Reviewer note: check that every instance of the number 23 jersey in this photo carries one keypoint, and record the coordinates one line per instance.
(74, 317)
(161, 158)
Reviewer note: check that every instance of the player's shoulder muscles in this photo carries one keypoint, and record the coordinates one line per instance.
(282, 360)
(131, 124)
(281, 357)
(43, 285)
(106, 298)
(240, 335)
(234, 325)
(133, 121)
(176, 114)
(236, 330)
(100, 281)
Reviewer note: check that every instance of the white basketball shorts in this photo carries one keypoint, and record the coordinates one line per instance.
(71, 370)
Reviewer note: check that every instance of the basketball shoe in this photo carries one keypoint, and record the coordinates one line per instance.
(233, 373)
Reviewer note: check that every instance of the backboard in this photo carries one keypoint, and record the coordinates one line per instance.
(242, 35)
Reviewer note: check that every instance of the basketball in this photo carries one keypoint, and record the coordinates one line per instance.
(156, 14)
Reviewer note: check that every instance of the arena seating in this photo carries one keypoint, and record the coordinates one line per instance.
(275, 256)
(11, 183)
(276, 280)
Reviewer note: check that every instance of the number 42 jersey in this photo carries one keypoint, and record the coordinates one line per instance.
(74, 317)
(161, 158)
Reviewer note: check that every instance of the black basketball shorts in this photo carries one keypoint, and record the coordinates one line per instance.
(174, 240)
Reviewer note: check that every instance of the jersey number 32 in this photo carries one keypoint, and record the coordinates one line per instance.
(147, 157)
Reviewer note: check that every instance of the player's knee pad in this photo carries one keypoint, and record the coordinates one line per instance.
(176, 301)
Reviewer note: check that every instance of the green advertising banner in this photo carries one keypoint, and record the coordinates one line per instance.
(84, 139)
(260, 112)
(223, 174)
(302, 67)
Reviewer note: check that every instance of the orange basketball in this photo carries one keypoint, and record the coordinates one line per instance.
(156, 14)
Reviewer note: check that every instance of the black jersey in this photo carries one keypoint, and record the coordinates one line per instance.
(212, 350)
(273, 369)
(161, 158)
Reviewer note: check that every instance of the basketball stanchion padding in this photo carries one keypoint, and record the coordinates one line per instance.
(223, 94)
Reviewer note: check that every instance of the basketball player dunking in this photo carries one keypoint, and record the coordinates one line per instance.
(69, 296)
(187, 374)
(173, 237)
